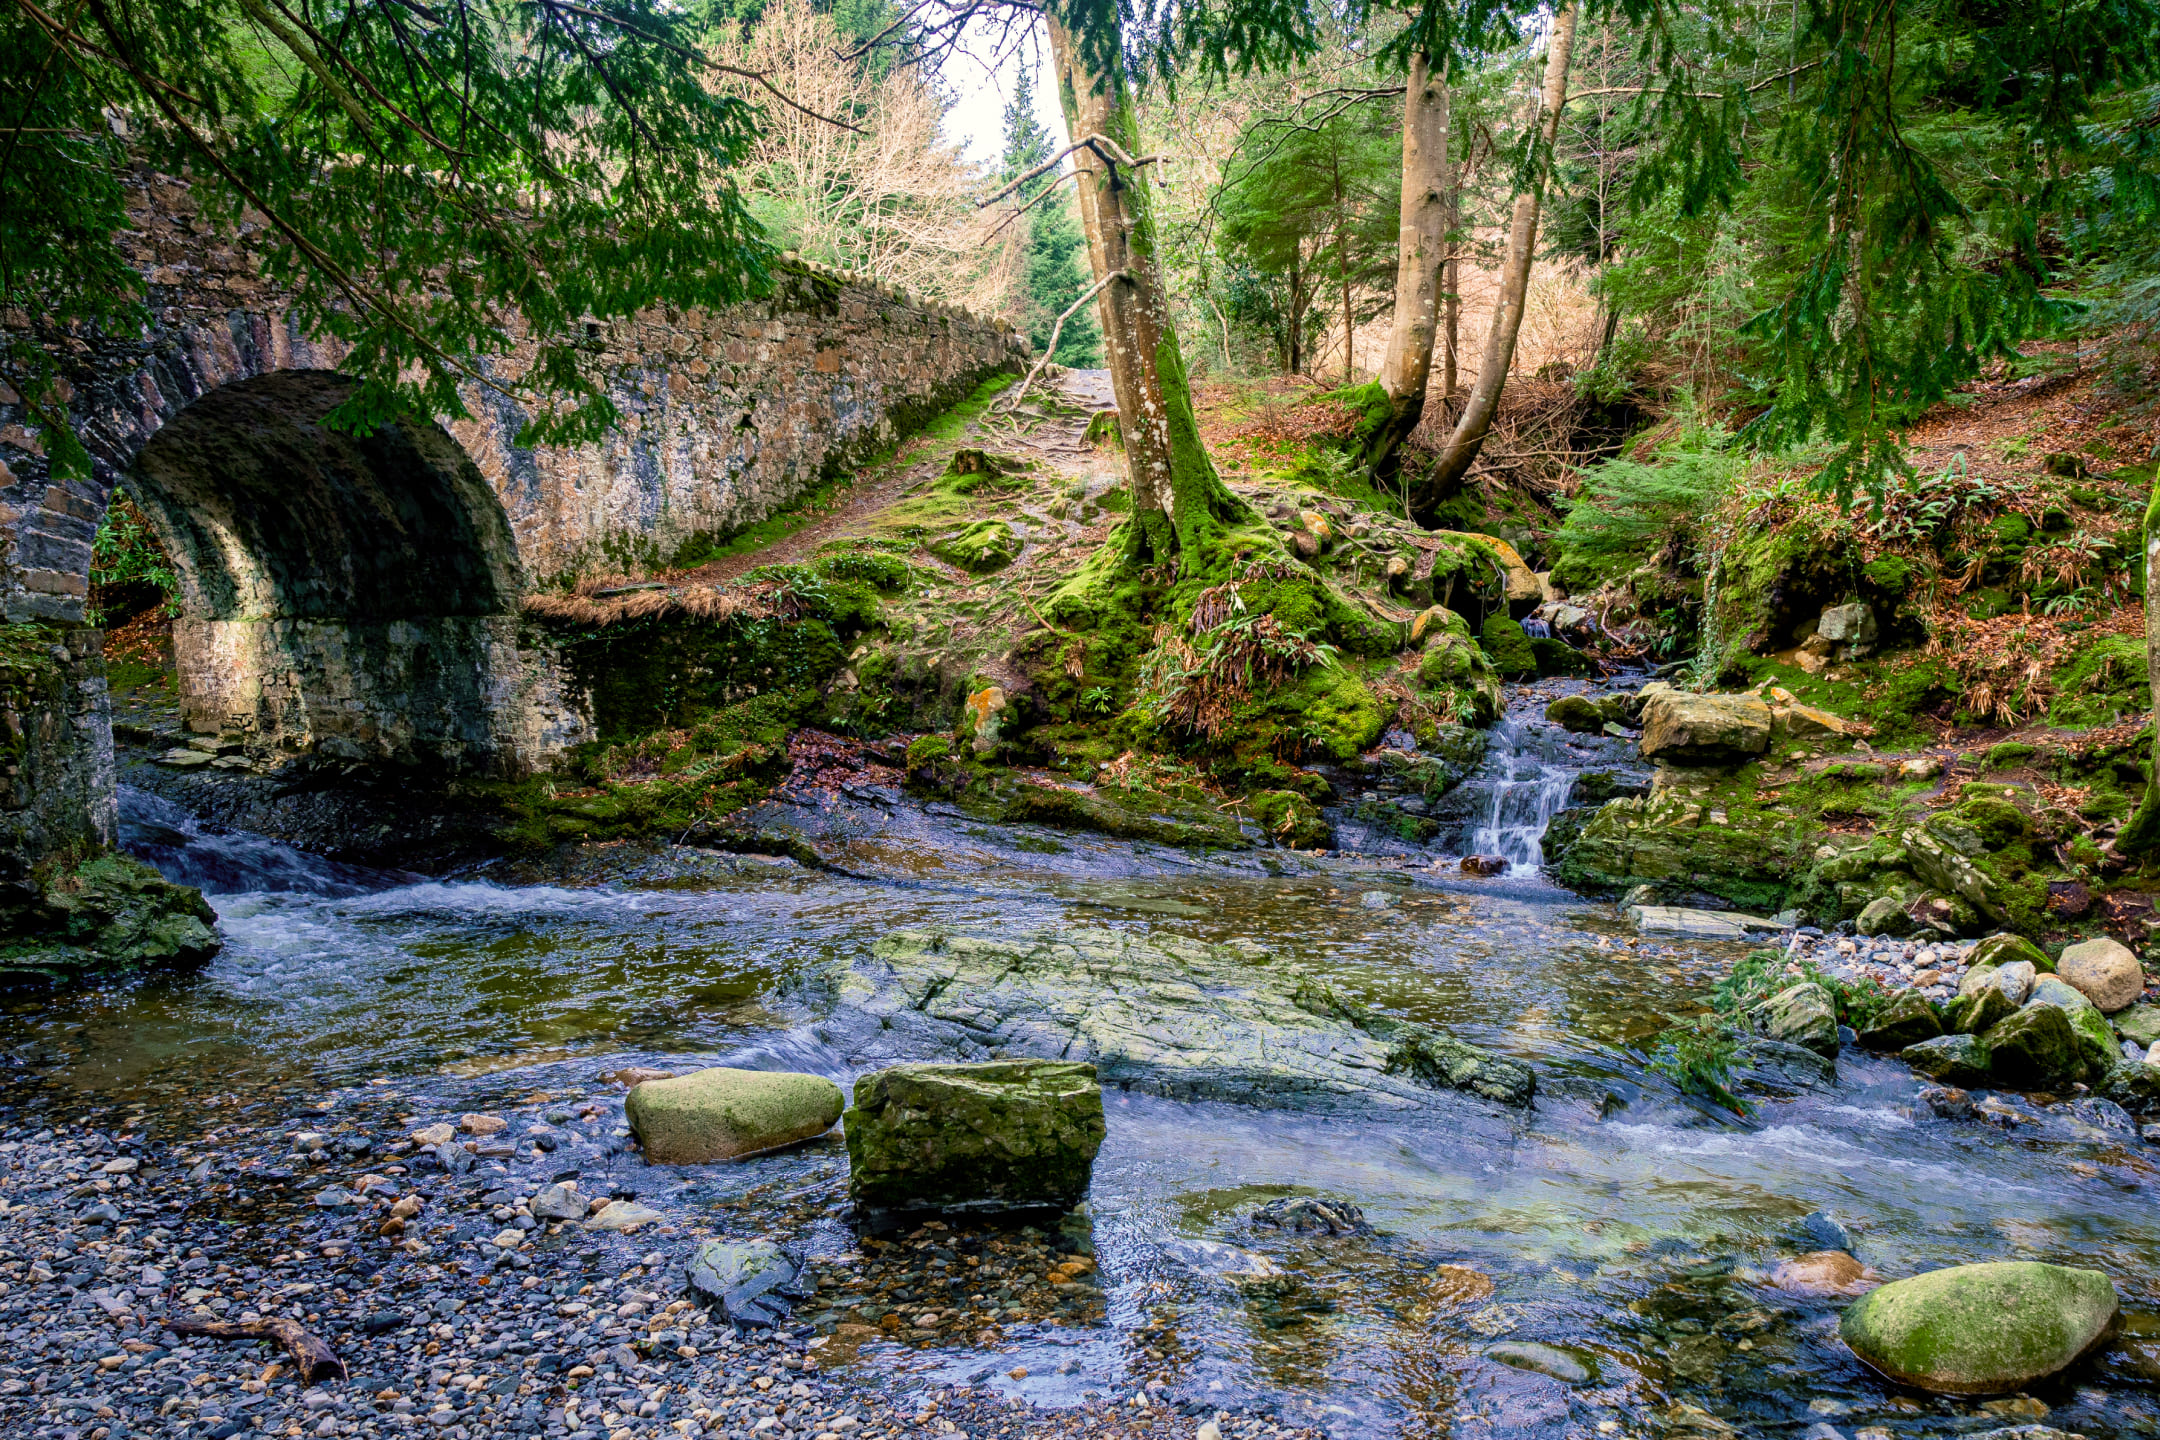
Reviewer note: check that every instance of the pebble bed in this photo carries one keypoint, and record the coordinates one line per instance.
(1932, 968)
(459, 1313)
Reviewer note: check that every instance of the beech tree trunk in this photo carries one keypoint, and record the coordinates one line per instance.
(1178, 499)
(1471, 427)
(1421, 249)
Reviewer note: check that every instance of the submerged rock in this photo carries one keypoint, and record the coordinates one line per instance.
(720, 1113)
(2105, 971)
(1311, 1215)
(1004, 1137)
(1159, 1014)
(1982, 1329)
(1568, 1367)
(1825, 1273)
(750, 1280)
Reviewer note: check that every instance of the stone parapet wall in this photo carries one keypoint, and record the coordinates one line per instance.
(729, 415)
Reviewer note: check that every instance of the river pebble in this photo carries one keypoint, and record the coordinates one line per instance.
(462, 1313)
(1931, 967)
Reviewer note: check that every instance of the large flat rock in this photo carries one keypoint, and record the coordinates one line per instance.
(1158, 1014)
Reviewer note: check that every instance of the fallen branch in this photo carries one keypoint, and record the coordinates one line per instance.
(316, 1360)
(1051, 348)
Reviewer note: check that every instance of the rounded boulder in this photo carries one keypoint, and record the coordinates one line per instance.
(1982, 1329)
(2105, 971)
(718, 1114)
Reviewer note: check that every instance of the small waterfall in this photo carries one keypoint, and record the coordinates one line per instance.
(161, 834)
(1528, 778)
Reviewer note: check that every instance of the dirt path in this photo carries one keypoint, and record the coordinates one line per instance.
(1049, 432)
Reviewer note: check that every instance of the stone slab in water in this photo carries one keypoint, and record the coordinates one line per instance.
(1010, 1136)
(1160, 1014)
(1982, 1329)
(720, 1113)
(1697, 924)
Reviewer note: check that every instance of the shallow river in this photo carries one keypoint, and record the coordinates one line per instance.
(1618, 1223)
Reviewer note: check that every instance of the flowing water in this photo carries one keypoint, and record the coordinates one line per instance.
(1528, 777)
(1631, 1230)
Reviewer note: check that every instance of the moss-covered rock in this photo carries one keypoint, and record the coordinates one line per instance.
(1508, 647)
(1576, 714)
(1982, 1329)
(1952, 1059)
(1802, 1014)
(2002, 948)
(1290, 819)
(719, 1113)
(980, 548)
(112, 915)
(1002, 1137)
(1906, 1020)
(2035, 1046)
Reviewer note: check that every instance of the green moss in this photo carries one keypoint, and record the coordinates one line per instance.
(2103, 681)
(1290, 819)
(980, 548)
(1508, 647)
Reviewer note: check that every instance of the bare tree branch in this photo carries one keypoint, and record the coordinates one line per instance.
(1056, 330)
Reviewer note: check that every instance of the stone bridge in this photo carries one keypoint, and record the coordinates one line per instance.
(359, 597)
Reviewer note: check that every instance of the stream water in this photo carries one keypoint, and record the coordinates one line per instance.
(1625, 1227)
(1528, 777)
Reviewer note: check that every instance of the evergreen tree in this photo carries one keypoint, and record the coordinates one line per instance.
(1054, 273)
(426, 182)
(1313, 211)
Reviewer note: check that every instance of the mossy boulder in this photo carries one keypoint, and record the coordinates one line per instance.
(2135, 1087)
(2036, 1046)
(2140, 1023)
(1508, 647)
(1952, 1059)
(2002, 948)
(1987, 1006)
(1907, 1019)
(720, 1113)
(1003, 1137)
(1802, 1014)
(1982, 1329)
(1290, 819)
(2096, 1038)
(980, 548)
(109, 916)
(1576, 714)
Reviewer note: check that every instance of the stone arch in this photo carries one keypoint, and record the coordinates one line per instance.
(353, 596)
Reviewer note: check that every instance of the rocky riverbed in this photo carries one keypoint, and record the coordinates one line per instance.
(1610, 1258)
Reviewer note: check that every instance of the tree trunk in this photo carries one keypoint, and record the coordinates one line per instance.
(1178, 499)
(2141, 834)
(1297, 315)
(1468, 437)
(1427, 190)
(1342, 270)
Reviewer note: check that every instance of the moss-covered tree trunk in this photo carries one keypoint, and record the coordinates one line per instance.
(2141, 836)
(1397, 401)
(1179, 502)
(1471, 427)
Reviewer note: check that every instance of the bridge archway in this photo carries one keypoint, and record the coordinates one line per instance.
(351, 596)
